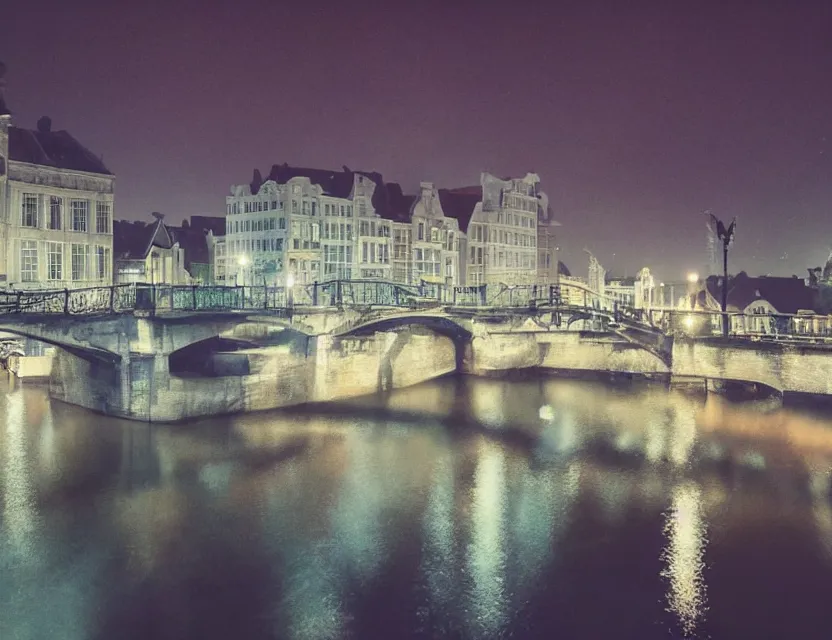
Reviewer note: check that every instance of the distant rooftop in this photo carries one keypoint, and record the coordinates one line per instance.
(52, 149)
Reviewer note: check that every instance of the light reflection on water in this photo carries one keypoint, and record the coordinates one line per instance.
(683, 556)
(460, 508)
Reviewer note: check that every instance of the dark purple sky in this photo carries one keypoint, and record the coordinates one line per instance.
(637, 120)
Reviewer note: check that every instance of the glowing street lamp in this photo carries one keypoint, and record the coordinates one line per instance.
(242, 261)
(693, 277)
(290, 292)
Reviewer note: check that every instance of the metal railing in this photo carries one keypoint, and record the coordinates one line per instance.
(776, 326)
(161, 298)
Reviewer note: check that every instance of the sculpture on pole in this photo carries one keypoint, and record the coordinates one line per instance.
(726, 236)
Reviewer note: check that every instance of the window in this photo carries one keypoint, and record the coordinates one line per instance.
(102, 217)
(421, 231)
(102, 255)
(362, 207)
(55, 206)
(29, 217)
(79, 210)
(54, 261)
(28, 260)
(79, 261)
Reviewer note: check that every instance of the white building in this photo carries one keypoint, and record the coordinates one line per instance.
(320, 225)
(500, 220)
(426, 241)
(56, 209)
(316, 224)
(148, 254)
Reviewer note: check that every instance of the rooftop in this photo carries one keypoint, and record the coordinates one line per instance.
(52, 149)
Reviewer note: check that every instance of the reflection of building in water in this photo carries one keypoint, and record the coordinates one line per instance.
(486, 550)
(683, 557)
(19, 499)
(540, 511)
(439, 569)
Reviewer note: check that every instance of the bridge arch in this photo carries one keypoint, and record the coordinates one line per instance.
(438, 323)
(89, 353)
(459, 335)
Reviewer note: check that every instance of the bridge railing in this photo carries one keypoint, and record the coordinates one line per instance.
(778, 326)
(82, 301)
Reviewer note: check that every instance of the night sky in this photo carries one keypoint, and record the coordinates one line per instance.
(637, 120)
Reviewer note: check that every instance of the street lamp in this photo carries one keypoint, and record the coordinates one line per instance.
(693, 277)
(242, 261)
(290, 292)
(726, 236)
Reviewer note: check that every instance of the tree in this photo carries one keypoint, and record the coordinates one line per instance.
(726, 236)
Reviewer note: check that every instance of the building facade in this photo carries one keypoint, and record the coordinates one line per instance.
(56, 210)
(312, 224)
(426, 243)
(502, 230)
(148, 254)
(317, 225)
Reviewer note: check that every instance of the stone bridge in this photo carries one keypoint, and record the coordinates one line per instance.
(119, 362)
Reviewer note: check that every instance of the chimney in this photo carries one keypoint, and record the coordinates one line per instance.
(45, 124)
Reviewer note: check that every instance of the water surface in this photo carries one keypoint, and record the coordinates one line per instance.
(461, 508)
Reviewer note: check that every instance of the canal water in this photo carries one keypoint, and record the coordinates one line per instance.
(460, 508)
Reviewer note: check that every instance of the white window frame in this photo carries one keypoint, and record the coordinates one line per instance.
(54, 261)
(81, 251)
(28, 260)
(103, 214)
(29, 206)
(80, 214)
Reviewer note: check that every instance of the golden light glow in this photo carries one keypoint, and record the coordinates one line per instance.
(242, 260)
(290, 280)
(683, 556)
(693, 277)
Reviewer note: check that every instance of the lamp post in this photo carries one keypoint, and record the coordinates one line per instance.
(242, 261)
(726, 236)
(290, 291)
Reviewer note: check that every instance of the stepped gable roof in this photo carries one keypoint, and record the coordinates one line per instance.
(53, 149)
(460, 204)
